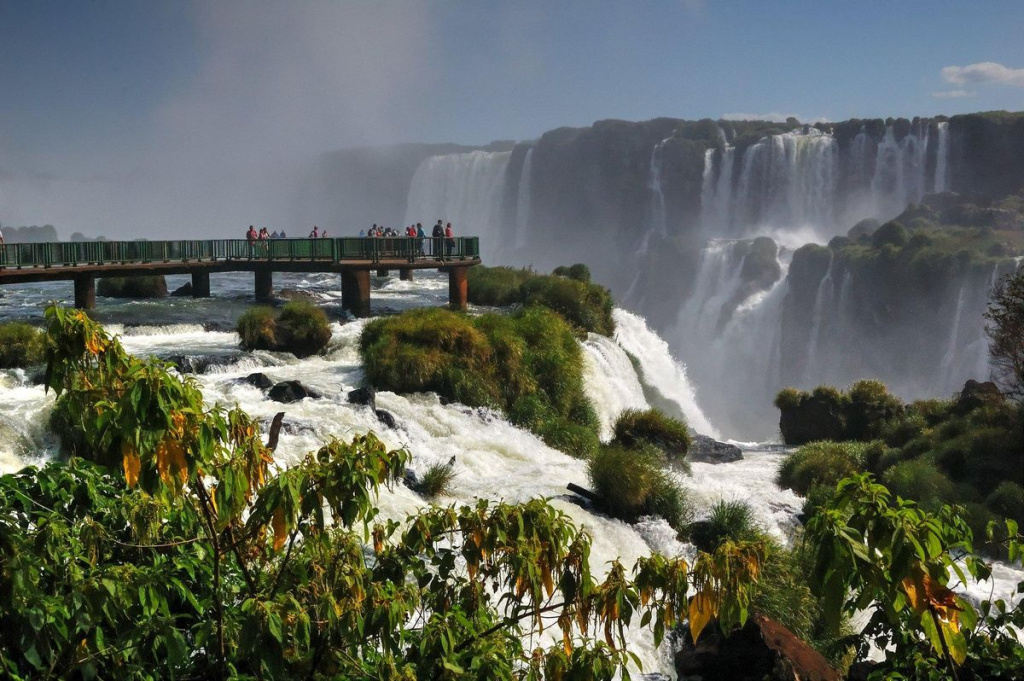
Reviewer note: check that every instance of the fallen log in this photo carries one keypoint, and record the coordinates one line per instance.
(275, 430)
(583, 492)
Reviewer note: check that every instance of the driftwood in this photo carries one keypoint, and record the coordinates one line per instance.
(583, 492)
(275, 430)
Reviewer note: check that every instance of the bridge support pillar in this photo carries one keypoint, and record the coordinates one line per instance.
(383, 273)
(458, 288)
(355, 292)
(200, 284)
(405, 274)
(85, 291)
(264, 285)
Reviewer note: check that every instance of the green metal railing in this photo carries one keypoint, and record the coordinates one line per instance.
(70, 254)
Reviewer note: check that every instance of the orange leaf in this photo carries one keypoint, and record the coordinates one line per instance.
(132, 464)
(702, 609)
(170, 462)
(280, 532)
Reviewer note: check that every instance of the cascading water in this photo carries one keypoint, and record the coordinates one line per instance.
(658, 222)
(467, 190)
(899, 176)
(822, 303)
(942, 157)
(523, 201)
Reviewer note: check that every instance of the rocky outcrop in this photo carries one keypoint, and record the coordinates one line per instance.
(704, 449)
(183, 291)
(259, 380)
(975, 394)
(762, 649)
(132, 287)
(366, 396)
(291, 391)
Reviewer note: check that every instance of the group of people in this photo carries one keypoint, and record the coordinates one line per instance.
(441, 241)
(264, 234)
(442, 237)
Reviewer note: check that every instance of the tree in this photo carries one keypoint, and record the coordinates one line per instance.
(1006, 332)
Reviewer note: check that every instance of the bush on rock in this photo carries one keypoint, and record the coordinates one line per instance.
(300, 328)
(21, 345)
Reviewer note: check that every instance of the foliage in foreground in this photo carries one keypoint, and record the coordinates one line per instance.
(300, 328)
(187, 557)
(526, 364)
(870, 549)
(1006, 331)
(21, 345)
(569, 292)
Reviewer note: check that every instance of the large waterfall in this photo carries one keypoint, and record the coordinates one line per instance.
(467, 190)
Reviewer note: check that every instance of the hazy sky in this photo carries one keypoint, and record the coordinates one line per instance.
(102, 101)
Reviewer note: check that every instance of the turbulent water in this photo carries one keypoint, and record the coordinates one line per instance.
(494, 460)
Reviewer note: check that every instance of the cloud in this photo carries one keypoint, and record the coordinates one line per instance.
(983, 72)
(952, 94)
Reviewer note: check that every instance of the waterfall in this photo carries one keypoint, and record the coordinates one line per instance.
(464, 189)
(954, 333)
(660, 372)
(942, 157)
(523, 201)
(611, 381)
(822, 304)
(658, 218)
(716, 192)
(899, 176)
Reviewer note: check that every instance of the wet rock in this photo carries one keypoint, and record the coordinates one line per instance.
(704, 449)
(291, 391)
(183, 291)
(261, 381)
(365, 395)
(387, 418)
(295, 294)
(763, 649)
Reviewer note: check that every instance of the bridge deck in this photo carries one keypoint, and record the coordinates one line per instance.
(353, 258)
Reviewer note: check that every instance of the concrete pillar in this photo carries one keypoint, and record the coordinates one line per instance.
(264, 285)
(383, 273)
(405, 274)
(85, 292)
(355, 292)
(200, 284)
(458, 288)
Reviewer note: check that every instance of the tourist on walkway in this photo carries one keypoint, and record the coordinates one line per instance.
(450, 239)
(421, 239)
(275, 235)
(251, 235)
(315, 233)
(438, 235)
(283, 235)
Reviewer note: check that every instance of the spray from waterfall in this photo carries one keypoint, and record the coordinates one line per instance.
(523, 201)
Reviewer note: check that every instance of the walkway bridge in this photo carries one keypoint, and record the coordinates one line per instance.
(353, 258)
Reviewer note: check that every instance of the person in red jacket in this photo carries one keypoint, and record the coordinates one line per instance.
(449, 236)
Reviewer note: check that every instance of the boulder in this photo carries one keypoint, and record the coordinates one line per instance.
(975, 394)
(704, 449)
(261, 381)
(762, 649)
(183, 291)
(291, 391)
(132, 287)
(387, 418)
(366, 396)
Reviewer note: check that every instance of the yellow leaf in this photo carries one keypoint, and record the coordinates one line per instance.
(170, 462)
(914, 594)
(548, 585)
(280, 533)
(132, 464)
(701, 611)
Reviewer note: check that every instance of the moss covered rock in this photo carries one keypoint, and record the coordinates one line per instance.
(132, 287)
(21, 345)
(299, 327)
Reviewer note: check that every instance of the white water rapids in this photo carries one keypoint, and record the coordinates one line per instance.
(494, 459)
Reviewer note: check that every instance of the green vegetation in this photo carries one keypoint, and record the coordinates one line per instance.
(632, 482)
(829, 414)
(177, 552)
(437, 478)
(729, 521)
(21, 345)
(635, 427)
(891, 233)
(300, 327)
(132, 287)
(586, 306)
(526, 364)
(1006, 331)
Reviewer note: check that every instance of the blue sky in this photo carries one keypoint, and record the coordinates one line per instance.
(108, 89)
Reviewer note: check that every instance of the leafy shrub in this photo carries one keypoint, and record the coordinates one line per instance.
(636, 426)
(900, 430)
(870, 405)
(437, 478)
(920, 480)
(300, 328)
(256, 329)
(527, 364)
(132, 287)
(21, 345)
(587, 306)
(1008, 501)
(631, 483)
(820, 463)
(729, 520)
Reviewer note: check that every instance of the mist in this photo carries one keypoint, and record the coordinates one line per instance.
(274, 87)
